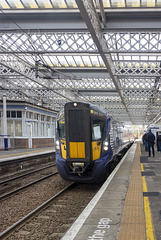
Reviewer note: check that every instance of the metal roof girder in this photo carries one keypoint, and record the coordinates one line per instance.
(89, 15)
(28, 73)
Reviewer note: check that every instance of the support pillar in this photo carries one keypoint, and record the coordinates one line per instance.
(5, 123)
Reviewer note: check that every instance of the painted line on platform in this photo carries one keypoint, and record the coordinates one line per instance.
(150, 232)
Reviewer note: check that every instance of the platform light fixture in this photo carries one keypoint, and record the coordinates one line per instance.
(75, 104)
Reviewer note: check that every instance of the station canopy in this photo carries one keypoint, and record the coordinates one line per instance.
(104, 52)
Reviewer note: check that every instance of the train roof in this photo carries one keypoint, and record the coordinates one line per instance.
(95, 108)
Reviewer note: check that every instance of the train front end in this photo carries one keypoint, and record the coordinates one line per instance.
(82, 143)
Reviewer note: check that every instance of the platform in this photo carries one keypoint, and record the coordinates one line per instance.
(23, 153)
(128, 205)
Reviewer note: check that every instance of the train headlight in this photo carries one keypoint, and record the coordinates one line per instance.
(105, 145)
(57, 145)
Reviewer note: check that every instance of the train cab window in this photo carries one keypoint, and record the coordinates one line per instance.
(61, 128)
(97, 129)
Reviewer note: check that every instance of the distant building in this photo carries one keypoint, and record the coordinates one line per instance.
(28, 126)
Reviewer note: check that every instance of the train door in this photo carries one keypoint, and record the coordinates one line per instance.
(78, 138)
(29, 135)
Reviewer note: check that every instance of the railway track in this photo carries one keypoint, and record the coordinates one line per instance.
(52, 218)
(22, 221)
(10, 182)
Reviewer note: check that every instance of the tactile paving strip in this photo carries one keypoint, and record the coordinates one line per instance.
(133, 221)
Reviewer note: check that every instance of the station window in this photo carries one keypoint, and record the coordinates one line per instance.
(10, 127)
(30, 115)
(14, 114)
(36, 129)
(42, 129)
(48, 119)
(48, 129)
(42, 118)
(19, 114)
(36, 116)
(8, 114)
(18, 128)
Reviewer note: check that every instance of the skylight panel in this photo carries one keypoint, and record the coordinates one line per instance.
(15, 4)
(70, 61)
(59, 3)
(152, 58)
(48, 61)
(71, 4)
(44, 3)
(3, 4)
(148, 3)
(94, 60)
(52, 60)
(106, 3)
(144, 58)
(78, 61)
(30, 4)
(159, 3)
(87, 61)
(133, 3)
(101, 61)
(118, 3)
(62, 61)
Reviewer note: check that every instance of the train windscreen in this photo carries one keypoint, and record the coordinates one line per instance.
(76, 126)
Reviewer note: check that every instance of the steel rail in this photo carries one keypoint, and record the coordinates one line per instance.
(22, 221)
(27, 185)
(26, 174)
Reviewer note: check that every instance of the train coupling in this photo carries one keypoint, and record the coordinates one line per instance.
(77, 167)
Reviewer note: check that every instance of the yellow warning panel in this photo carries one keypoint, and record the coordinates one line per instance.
(73, 149)
(96, 149)
(63, 149)
(77, 149)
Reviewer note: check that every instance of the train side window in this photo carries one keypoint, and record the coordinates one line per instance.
(97, 129)
(61, 128)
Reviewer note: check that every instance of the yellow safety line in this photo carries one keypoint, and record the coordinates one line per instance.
(150, 233)
(140, 149)
(14, 154)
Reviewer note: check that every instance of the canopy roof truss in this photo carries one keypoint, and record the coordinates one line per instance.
(101, 52)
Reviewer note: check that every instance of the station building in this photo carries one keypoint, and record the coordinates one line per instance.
(28, 126)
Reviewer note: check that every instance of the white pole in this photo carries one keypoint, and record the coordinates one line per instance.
(5, 123)
(4, 116)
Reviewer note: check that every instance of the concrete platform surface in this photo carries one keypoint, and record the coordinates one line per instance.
(22, 153)
(128, 205)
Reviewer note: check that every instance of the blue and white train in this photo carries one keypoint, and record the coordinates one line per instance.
(87, 144)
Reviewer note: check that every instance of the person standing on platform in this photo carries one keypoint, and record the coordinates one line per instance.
(144, 139)
(159, 142)
(151, 142)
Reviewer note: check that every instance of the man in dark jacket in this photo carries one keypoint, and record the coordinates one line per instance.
(144, 139)
(151, 142)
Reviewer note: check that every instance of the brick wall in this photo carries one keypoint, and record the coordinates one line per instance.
(42, 142)
(36, 143)
(21, 143)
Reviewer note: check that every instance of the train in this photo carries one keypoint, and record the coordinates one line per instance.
(89, 143)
